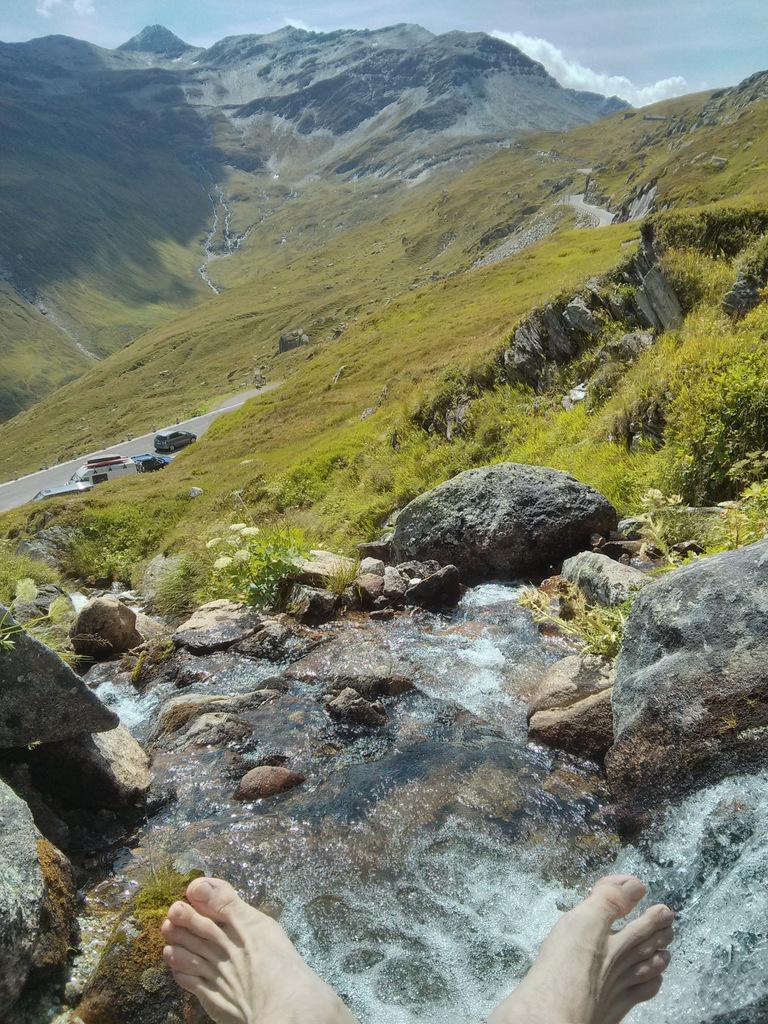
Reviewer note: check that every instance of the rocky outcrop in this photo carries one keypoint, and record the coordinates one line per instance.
(22, 894)
(690, 701)
(216, 626)
(602, 579)
(103, 628)
(160, 567)
(289, 340)
(356, 662)
(48, 545)
(131, 983)
(441, 589)
(321, 566)
(41, 699)
(502, 520)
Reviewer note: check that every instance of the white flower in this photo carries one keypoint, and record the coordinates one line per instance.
(240, 556)
(237, 527)
(213, 542)
(222, 563)
(233, 541)
(250, 531)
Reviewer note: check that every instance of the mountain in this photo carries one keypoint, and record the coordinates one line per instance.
(158, 40)
(129, 175)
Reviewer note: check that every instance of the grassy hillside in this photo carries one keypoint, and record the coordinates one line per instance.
(337, 458)
(37, 356)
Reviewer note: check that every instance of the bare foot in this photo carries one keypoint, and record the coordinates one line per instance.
(585, 972)
(240, 963)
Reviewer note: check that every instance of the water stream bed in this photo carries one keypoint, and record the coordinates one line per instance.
(421, 864)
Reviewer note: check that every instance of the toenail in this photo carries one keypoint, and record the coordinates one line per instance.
(203, 890)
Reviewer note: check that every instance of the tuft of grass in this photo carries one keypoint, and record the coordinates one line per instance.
(15, 568)
(597, 629)
(182, 587)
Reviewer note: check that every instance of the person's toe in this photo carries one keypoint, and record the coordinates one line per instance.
(642, 931)
(614, 896)
(645, 970)
(181, 961)
(188, 940)
(182, 915)
(189, 982)
(215, 899)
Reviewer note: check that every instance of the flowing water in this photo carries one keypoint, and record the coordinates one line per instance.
(421, 865)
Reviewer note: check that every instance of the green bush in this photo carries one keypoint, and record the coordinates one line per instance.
(255, 564)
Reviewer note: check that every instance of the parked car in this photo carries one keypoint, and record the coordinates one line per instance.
(173, 440)
(70, 488)
(151, 463)
(104, 468)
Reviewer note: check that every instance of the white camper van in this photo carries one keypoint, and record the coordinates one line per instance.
(99, 471)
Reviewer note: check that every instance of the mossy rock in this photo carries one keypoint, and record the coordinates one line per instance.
(131, 983)
(59, 930)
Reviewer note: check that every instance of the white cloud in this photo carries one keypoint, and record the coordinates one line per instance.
(82, 8)
(573, 75)
(46, 7)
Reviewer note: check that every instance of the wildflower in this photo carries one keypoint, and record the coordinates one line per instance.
(213, 542)
(250, 531)
(237, 527)
(240, 556)
(222, 563)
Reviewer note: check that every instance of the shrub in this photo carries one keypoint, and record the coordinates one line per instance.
(746, 520)
(255, 564)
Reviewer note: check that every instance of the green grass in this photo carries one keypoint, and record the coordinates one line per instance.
(335, 459)
(14, 568)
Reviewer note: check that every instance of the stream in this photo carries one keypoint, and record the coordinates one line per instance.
(421, 864)
(230, 240)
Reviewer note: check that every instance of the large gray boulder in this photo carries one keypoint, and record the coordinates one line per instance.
(603, 580)
(502, 521)
(22, 894)
(106, 770)
(690, 700)
(41, 698)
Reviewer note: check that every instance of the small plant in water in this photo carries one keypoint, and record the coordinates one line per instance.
(254, 564)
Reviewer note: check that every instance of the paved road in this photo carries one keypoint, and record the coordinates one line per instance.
(18, 492)
(596, 216)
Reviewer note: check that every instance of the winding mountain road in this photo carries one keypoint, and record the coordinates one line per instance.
(18, 492)
(594, 216)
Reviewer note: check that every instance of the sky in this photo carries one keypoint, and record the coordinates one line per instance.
(643, 50)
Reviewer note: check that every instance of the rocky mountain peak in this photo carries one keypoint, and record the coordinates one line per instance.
(156, 39)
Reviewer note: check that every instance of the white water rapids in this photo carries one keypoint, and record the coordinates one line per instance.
(420, 866)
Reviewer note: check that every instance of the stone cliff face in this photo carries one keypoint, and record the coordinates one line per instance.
(391, 101)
